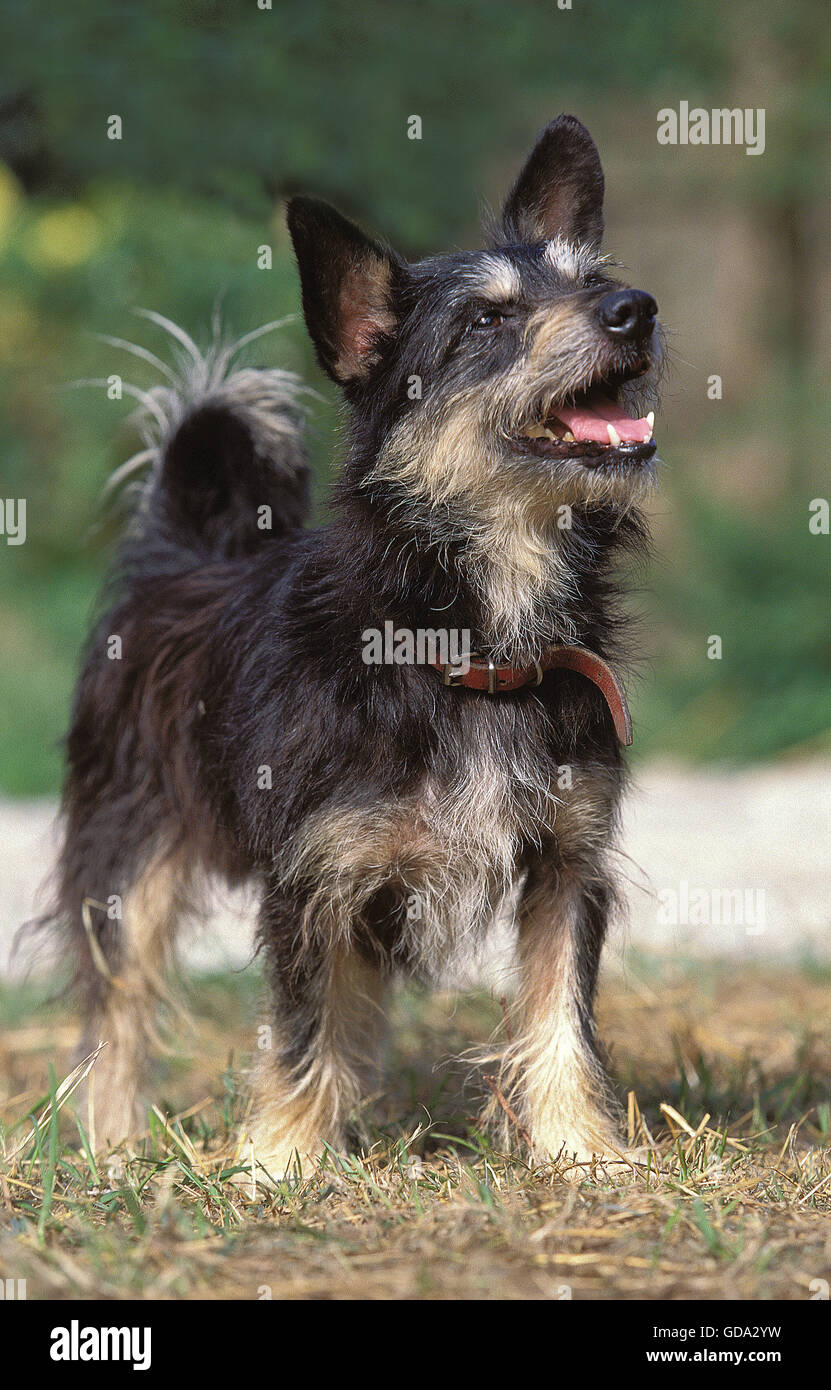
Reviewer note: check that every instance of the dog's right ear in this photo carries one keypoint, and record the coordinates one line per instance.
(560, 190)
(346, 280)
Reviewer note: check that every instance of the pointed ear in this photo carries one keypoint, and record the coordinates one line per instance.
(346, 280)
(560, 190)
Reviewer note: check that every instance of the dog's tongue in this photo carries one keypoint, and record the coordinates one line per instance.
(590, 421)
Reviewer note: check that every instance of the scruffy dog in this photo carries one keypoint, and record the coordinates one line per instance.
(228, 721)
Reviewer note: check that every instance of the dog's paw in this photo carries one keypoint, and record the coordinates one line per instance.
(578, 1156)
(265, 1160)
(114, 1118)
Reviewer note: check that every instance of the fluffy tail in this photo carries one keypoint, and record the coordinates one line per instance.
(223, 470)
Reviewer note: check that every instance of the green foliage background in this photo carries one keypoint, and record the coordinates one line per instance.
(227, 107)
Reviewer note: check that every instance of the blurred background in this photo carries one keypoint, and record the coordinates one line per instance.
(227, 107)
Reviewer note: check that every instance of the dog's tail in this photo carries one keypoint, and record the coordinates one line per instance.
(223, 469)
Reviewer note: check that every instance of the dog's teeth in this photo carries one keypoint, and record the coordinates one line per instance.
(539, 432)
(614, 437)
(650, 419)
(568, 437)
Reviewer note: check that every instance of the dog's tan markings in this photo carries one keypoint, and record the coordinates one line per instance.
(507, 524)
(336, 841)
(514, 564)
(563, 330)
(152, 911)
(549, 1072)
(295, 1111)
(449, 852)
(497, 279)
(440, 454)
(453, 849)
(342, 857)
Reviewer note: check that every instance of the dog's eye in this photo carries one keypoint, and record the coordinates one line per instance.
(490, 319)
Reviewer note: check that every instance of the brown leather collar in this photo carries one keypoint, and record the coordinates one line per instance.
(501, 680)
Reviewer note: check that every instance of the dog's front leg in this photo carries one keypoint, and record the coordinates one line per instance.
(318, 1052)
(552, 1076)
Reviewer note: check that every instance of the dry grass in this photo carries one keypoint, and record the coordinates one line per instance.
(727, 1070)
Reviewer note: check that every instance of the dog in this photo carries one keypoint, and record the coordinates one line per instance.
(228, 724)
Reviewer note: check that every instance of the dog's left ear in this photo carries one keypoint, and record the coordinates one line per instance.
(346, 280)
(560, 190)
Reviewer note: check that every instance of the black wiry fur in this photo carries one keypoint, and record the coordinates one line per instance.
(241, 651)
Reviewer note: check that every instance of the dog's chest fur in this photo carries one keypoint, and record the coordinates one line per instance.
(428, 871)
(477, 824)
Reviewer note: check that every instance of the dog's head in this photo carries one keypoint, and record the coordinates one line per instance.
(515, 376)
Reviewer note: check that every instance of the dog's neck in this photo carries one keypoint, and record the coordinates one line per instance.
(521, 584)
(514, 583)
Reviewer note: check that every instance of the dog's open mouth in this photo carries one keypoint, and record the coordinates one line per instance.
(594, 429)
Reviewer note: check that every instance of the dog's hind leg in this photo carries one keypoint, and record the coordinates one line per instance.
(318, 1055)
(119, 921)
(126, 1011)
(552, 1075)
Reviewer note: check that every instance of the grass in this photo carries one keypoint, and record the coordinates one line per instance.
(726, 1074)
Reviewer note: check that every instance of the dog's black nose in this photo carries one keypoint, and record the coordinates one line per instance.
(628, 314)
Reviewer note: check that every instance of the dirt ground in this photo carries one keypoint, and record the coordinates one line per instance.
(724, 1069)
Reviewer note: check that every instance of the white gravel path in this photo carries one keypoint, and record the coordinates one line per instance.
(719, 863)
